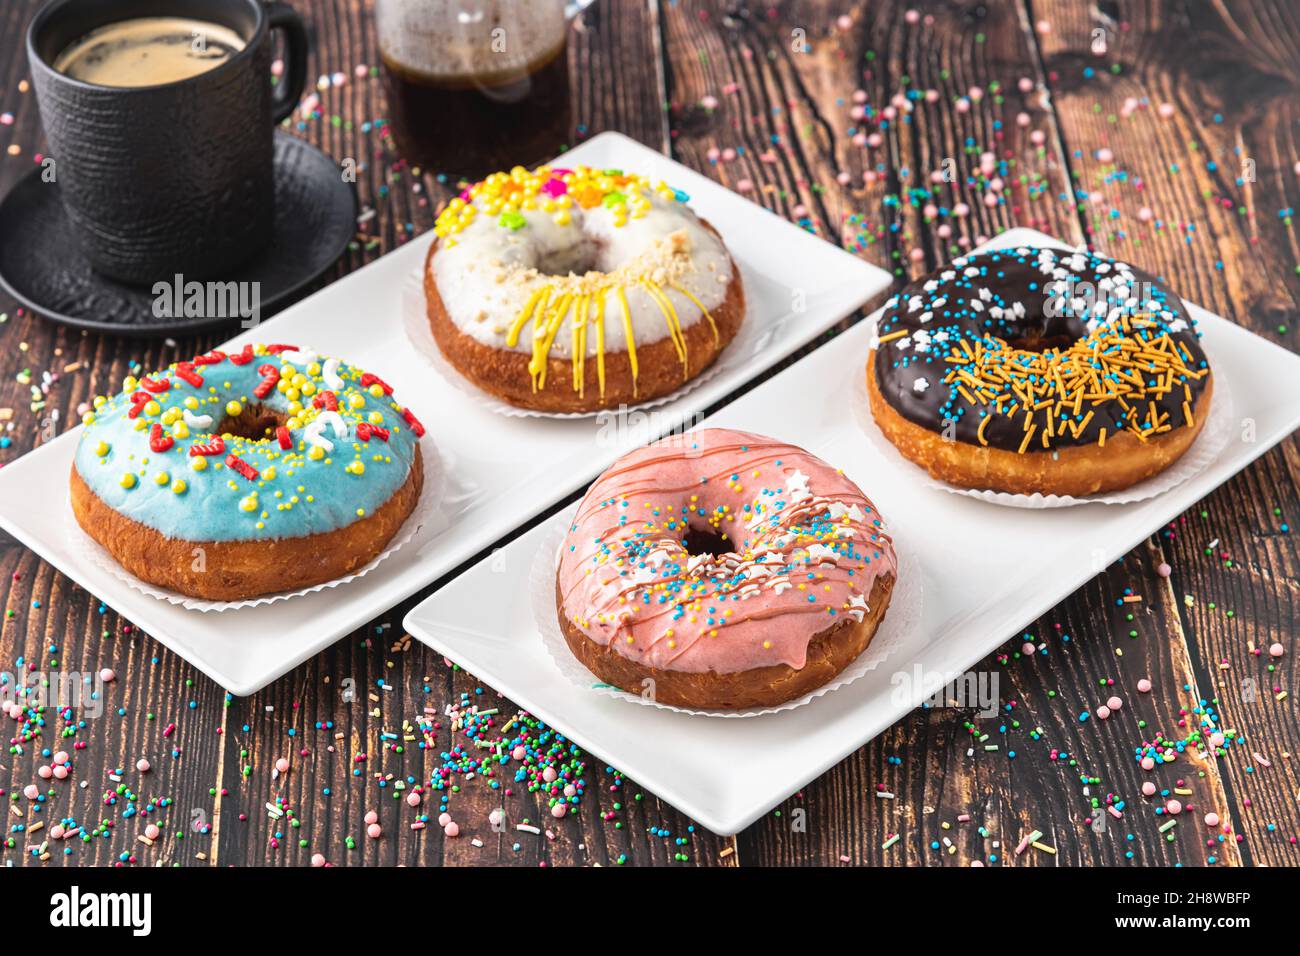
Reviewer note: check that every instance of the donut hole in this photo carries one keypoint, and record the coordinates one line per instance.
(254, 422)
(1046, 333)
(1033, 340)
(578, 258)
(705, 541)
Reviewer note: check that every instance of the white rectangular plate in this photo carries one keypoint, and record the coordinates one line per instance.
(979, 589)
(502, 470)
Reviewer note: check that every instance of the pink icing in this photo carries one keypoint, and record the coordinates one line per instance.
(807, 547)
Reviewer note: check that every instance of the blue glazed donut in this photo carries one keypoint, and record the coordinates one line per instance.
(234, 475)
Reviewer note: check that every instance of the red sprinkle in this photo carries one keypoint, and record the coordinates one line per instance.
(280, 347)
(327, 400)
(158, 387)
(413, 422)
(138, 401)
(238, 464)
(367, 380)
(270, 378)
(185, 372)
(244, 357)
(365, 430)
(210, 358)
(158, 442)
(286, 440)
(215, 447)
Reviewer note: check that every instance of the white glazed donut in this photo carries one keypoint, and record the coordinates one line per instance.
(574, 272)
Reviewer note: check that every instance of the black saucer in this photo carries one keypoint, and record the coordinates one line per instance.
(43, 268)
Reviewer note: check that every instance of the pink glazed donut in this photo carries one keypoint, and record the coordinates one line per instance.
(722, 570)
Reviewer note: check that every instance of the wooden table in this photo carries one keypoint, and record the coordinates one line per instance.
(1166, 133)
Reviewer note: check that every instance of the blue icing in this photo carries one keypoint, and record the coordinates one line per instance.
(295, 495)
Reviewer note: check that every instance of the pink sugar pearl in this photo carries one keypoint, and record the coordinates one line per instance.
(1217, 739)
(152, 831)
(1276, 650)
(1174, 807)
(317, 860)
(45, 773)
(142, 765)
(549, 775)
(371, 816)
(519, 753)
(282, 765)
(452, 829)
(444, 819)
(496, 818)
(374, 831)
(61, 757)
(1103, 712)
(61, 772)
(1114, 703)
(1148, 763)
(413, 799)
(31, 791)
(559, 810)
(1211, 819)
(107, 675)
(1148, 789)
(1144, 686)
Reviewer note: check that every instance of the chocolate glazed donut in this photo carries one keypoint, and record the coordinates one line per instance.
(1039, 370)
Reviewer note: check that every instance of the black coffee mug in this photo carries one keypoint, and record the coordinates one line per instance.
(173, 178)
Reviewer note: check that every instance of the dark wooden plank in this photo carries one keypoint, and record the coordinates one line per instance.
(1211, 151)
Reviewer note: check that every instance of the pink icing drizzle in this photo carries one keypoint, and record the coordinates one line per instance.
(809, 532)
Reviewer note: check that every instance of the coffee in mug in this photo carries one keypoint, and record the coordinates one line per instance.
(147, 51)
(161, 140)
(476, 87)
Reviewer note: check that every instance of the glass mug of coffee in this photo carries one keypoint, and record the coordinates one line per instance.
(160, 116)
(476, 85)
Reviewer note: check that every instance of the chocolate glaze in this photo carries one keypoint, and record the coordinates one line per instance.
(1035, 299)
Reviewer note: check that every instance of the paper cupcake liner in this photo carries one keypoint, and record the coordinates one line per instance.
(425, 511)
(901, 621)
(415, 320)
(1213, 438)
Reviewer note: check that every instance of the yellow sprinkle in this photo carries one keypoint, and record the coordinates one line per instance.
(179, 486)
(127, 481)
(233, 408)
